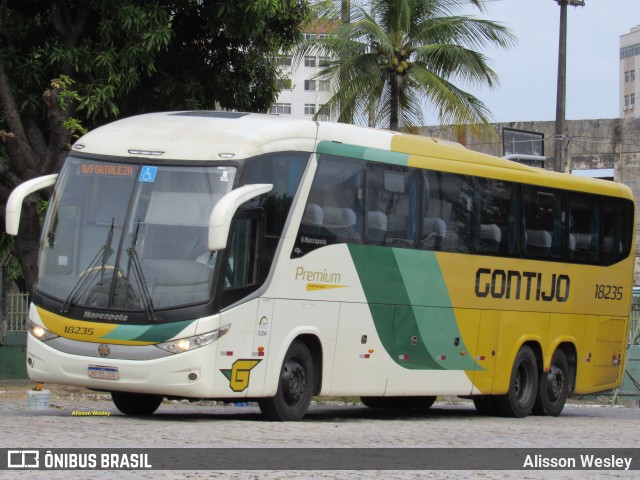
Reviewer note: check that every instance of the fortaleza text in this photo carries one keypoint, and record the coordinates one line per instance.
(582, 461)
(90, 413)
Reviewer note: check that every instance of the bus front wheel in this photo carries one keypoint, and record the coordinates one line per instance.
(295, 386)
(523, 386)
(136, 403)
(553, 388)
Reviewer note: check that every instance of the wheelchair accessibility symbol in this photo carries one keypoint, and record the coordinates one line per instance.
(148, 174)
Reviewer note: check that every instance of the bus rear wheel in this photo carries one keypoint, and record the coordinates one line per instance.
(136, 403)
(553, 388)
(422, 403)
(523, 386)
(295, 386)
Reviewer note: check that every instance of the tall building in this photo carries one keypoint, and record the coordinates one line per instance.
(301, 94)
(629, 66)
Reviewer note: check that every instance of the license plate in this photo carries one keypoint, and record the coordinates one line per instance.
(107, 373)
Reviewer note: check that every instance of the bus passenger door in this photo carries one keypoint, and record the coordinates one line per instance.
(361, 362)
(485, 352)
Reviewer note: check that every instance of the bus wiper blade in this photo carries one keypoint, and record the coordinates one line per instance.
(79, 289)
(135, 267)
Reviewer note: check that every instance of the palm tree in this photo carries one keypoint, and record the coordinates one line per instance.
(402, 54)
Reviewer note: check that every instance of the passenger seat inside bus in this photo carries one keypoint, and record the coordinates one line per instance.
(538, 243)
(377, 224)
(490, 236)
(341, 223)
(433, 233)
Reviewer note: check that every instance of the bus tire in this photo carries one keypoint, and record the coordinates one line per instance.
(523, 386)
(136, 403)
(295, 386)
(421, 403)
(553, 386)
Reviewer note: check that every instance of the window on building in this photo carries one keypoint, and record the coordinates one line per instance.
(281, 109)
(309, 36)
(309, 109)
(324, 85)
(284, 61)
(629, 76)
(324, 113)
(310, 85)
(309, 61)
(284, 83)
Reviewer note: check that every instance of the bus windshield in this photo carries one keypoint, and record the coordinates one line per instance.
(130, 237)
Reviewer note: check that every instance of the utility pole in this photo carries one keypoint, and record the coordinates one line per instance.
(559, 143)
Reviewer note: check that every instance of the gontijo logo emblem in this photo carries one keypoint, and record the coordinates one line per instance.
(238, 376)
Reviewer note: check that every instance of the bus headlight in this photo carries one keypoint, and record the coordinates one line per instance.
(40, 332)
(191, 343)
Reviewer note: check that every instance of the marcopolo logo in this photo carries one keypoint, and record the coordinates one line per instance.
(513, 284)
(116, 317)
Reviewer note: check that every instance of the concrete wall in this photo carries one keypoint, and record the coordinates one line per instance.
(592, 144)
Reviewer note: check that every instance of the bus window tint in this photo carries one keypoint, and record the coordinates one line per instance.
(391, 205)
(617, 221)
(497, 217)
(447, 207)
(543, 222)
(584, 228)
(333, 212)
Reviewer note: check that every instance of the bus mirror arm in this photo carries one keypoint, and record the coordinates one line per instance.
(14, 204)
(220, 219)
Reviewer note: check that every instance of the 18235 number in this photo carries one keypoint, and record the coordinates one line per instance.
(78, 330)
(608, 292)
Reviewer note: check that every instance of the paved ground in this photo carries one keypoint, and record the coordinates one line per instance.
(180, 424)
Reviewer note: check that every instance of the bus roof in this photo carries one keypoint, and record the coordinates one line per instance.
(215, 136)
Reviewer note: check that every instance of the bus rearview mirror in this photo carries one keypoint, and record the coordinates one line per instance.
(220, 219)
(14, 204)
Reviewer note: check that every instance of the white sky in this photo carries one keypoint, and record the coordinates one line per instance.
(528, 72)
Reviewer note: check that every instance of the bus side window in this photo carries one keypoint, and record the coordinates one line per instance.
(617, 220)
(447, 206)
(242, 273)
(334, 209)
(497, 217)
(584, 227)
(392, 193)
(543, 234)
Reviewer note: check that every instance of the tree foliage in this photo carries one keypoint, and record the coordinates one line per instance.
(70, 65)
(397, 55)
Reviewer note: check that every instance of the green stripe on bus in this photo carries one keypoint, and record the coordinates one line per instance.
(152, 334)
(411, 308)
(363, 153)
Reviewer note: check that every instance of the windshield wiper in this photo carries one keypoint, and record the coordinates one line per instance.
(81, 286)
(134, 266)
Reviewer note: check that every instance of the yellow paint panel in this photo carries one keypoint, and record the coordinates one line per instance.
(493, 283)
(82, 330)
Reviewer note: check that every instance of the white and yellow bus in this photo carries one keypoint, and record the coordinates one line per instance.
(257, 258)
